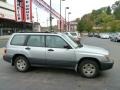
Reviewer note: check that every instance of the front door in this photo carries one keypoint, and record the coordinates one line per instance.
(56, 54)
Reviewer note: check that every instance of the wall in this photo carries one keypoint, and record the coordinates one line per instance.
(7, 11)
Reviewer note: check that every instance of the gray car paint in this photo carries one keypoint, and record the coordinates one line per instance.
(60, 57)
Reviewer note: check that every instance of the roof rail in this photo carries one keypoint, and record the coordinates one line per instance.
(36, 32)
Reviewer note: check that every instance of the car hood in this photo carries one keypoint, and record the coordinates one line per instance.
(93, 49)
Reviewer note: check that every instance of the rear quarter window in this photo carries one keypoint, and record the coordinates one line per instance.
(18, 40)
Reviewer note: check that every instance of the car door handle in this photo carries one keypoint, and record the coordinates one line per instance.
(50, 50)
(27, 48)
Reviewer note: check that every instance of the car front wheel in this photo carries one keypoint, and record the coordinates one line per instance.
(88, 69)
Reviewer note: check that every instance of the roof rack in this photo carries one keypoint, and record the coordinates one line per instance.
(40, 32)
(36, 32)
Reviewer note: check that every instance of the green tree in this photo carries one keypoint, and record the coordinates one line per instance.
(108, 11)
(80, 26)
(116, 10)
(85, 24)
(114, 26)
(101, 18)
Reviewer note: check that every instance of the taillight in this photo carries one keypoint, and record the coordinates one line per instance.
(5, 51)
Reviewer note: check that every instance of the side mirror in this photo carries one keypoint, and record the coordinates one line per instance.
(67, 47)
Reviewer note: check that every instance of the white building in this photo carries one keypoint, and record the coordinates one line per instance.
(7, 18)
(72, 26)
(8, 23)
(7, 11)
(36, 27)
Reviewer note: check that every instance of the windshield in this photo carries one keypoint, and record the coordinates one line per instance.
(72, 41)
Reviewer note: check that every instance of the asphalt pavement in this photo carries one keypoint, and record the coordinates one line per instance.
(63, 79)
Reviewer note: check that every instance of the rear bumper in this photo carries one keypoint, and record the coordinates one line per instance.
(107, 65)
(7, 58)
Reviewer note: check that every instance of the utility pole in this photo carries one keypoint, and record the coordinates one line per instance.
(47, 24)
(60, 15)
(50, 16)
(69, 21)
(37, 14)
(65, 18)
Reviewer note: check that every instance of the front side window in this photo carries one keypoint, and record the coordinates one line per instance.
(36, 41)
(55, 42)
(18, 40)
(70, 40)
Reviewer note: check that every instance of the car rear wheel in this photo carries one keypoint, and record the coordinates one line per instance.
(88, 69)
(116, 40)
(21, 64)
(111, 39)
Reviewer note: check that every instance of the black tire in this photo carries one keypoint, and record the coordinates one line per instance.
(111, 39)
(116, 40)
(24, 64)
(94, 69)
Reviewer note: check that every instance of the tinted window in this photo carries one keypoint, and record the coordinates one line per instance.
(36, 41)
(55, 42)
(18, 40)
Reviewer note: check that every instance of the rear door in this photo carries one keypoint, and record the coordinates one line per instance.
(36, 49)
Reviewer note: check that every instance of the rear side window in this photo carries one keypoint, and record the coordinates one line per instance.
(18, 40)
(36, 41)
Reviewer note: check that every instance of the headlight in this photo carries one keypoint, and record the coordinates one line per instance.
(107, 58)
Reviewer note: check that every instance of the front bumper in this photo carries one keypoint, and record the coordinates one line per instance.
(106, 65)
(118, 39)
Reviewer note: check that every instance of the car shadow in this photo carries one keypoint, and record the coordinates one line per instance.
(62, 71)
(53, 70)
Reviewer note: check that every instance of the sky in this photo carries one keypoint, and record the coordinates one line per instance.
(77, 8)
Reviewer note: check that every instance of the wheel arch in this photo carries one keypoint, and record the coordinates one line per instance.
(15, 56)
(88, 58)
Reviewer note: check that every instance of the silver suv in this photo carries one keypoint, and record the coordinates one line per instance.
(57, 50)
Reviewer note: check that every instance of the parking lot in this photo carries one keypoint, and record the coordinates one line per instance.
(62, 79)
